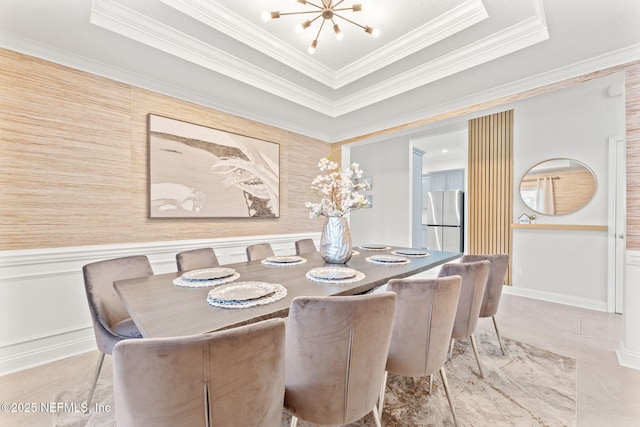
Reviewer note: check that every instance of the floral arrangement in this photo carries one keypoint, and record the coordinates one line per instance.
(340, 191)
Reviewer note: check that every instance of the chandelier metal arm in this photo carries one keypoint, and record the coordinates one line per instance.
(344, 8)
(320, 29)
(349, 20)
(298, 13)
(316, 5)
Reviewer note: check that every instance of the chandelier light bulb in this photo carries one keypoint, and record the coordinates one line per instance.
(313, 46)
(367, 6)
(325, 13)
(268, 16)
(375, 32)
(339, 33)
(303, 26)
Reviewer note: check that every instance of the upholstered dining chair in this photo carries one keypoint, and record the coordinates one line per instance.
(474, 281)
(493, 291)
(425, 312)
(259, 251)
(230, 378)
(111, 321)
(196, 258)
(336, 354)
(305, 246)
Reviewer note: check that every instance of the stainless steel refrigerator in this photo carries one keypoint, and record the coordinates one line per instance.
(443, 214)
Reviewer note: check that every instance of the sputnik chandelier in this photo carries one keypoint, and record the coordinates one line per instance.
(328, 11)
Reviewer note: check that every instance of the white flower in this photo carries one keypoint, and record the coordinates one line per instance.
(337, 189)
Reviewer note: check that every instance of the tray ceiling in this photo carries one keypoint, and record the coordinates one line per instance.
(430, 55)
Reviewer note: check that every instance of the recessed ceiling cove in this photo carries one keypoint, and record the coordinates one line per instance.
(420, 42)
(433, 58)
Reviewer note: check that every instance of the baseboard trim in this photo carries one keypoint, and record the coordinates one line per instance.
(32, 353)
(628, 359)
(574, 301)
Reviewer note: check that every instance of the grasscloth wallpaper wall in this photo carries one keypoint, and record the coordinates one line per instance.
(632, 100)
(74, 162)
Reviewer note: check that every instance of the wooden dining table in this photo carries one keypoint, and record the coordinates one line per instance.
(161, 309)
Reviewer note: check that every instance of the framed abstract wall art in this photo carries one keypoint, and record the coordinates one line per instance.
(200, 172)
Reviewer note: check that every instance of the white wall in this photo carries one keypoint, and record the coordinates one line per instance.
(388, 221)
(558, 265)
(434, 160)
(563, 265)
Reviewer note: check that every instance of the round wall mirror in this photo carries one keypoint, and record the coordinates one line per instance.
(558, 186)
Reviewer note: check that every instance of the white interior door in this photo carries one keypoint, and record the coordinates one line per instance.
(617, 223)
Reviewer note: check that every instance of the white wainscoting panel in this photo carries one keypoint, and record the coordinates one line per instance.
(44, 314)
(629, 351)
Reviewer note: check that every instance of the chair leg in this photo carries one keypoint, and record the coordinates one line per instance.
(453, 341)
(475, 351)
(294, 421)
(95, 380)
(430, 383)
(445, 383)
(376, 417)
(495, 325)
(382, 390)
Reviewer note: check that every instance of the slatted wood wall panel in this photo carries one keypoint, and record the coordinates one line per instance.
(491, 184)
(74, 162)
(632, 99)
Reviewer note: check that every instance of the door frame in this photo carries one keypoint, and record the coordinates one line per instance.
(616, 241)
(415, 196)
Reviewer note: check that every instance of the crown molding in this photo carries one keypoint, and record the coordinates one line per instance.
(619, 57)
(509, 40)
(81, 63)
(451, 22)
(216, 16)
(136, 26)
(129, 23)
(602, 62)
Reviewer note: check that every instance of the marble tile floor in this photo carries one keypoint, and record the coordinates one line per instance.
(608, 395)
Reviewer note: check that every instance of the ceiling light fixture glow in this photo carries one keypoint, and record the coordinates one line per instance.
(327, 10)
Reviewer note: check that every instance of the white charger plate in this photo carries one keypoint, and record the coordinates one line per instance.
(410, 252)
(242, 292)
(284, 259)
(245, 294)
(332, 273)
(388, 259)
(208, 273)
(375, 247)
